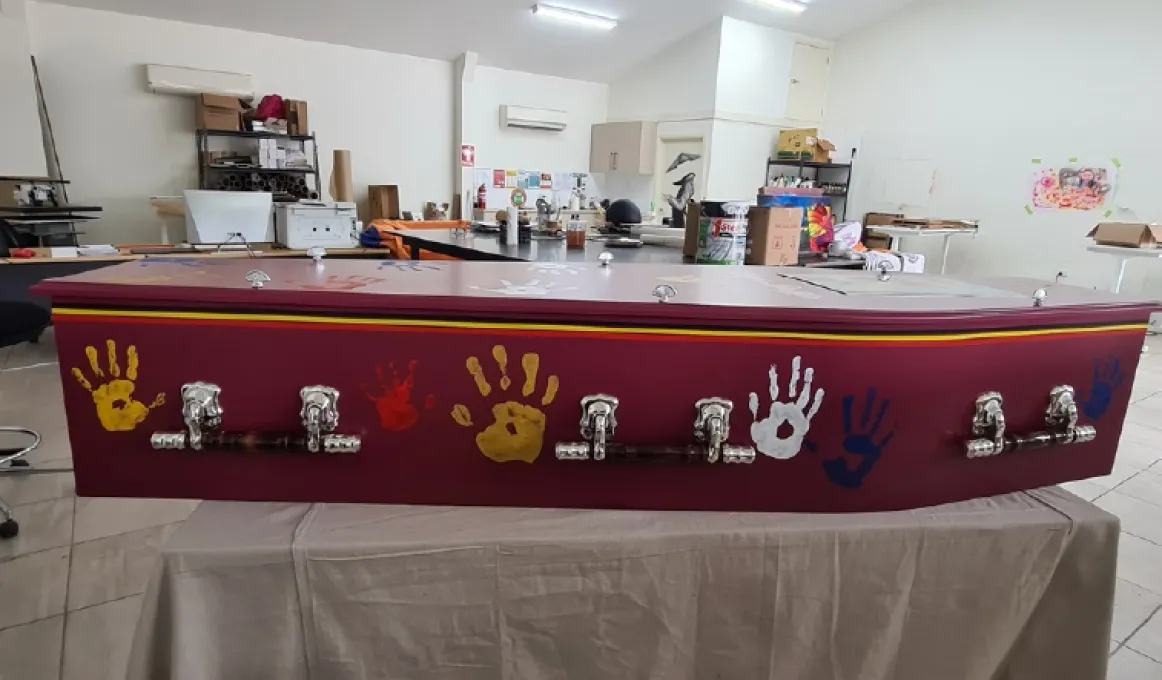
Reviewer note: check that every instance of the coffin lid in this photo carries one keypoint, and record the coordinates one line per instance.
(702, 296)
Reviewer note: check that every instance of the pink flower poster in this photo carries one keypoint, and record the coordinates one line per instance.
(1075, 187)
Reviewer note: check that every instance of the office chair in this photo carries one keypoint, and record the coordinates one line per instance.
(20, 322)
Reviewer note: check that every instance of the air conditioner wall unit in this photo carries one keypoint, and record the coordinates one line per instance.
(532, 119)
(191, 81)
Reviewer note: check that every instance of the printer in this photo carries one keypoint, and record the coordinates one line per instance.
(306, 224)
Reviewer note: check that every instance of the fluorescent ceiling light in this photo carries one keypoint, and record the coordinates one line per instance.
(786, 5)
(574, 17)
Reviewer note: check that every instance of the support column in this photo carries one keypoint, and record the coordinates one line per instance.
(464, 75)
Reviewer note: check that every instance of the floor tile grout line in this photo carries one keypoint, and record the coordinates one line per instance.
(65, 614)
(1116, 486)
(68, 583)
(1117, 649)
(71, 544)
(1142, 538)
(1126, 642)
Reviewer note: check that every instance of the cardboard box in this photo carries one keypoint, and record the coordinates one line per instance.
(215, 112)
(929, 223)
(773, 236)
(383, 201)
(1127, 234)
(874, 240)
(297, 119)
(217, 101)
(804, 144)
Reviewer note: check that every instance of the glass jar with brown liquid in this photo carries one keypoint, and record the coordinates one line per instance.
(575, 233)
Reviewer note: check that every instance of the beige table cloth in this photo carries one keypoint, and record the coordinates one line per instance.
(1014, 587)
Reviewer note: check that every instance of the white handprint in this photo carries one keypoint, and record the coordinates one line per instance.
(765, 432)
(531, 288)
(553, 268)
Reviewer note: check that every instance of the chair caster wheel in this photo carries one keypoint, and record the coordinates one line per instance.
(19, 463)
(9, 529)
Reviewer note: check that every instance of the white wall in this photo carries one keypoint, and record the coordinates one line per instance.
(738, 159)
(21, 148)
(497, 147)
(678, 82)
(979, 90)
(727, 83)
(119, 144)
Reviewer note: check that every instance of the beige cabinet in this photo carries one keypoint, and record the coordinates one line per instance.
(810, 72)
(627, 148)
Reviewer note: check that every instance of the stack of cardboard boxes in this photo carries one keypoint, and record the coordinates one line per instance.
(298, 123)
(227, 114)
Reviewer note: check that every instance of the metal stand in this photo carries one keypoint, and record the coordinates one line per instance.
(12, 463)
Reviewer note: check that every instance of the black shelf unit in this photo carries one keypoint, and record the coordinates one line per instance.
(210, 176)
(815, 167)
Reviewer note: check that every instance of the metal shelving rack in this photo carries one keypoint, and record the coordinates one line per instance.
(803, 165)
(206, 170)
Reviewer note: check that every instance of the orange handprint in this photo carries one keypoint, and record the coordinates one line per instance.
(517, 432)
(117, 410)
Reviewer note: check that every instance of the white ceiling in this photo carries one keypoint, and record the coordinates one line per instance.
(504, 32)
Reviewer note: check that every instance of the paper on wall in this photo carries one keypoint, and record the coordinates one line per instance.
(1074, 186)
(481, 177)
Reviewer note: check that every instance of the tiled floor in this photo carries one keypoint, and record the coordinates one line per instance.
(71, 583)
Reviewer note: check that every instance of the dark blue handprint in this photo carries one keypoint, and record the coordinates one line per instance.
(1107, 378)
(860, 442)
(408, 266)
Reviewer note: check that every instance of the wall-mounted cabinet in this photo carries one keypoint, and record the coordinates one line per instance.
(810, 72)
(626, 148)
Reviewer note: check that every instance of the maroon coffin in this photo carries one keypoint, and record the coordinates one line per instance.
(552, 385)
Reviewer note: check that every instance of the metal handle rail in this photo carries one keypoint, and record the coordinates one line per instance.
(202, 413)
(711, 431)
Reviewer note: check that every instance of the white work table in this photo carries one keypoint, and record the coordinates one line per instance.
(896, 233)
(1123, 255)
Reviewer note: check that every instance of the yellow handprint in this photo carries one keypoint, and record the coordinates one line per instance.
(116, 408)
(518, 430)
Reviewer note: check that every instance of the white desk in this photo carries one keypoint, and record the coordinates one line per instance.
(1123, 256)
(896, 233)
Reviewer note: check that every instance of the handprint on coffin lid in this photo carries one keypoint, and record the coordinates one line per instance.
(765, 432)
(517, 432)
(117, 410)
(861, 442)
(1106, 380)
(393, 403)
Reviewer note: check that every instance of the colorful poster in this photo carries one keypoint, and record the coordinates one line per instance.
(467, 155)
(498, 179)
(1075, 187)
(546, 180)
(510, 179)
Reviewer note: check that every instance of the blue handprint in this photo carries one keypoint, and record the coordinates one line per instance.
(191, 262)
(861, 442)
(408, 266)
(1106, 379)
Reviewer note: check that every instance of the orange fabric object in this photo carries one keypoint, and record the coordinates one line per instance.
(395, 244)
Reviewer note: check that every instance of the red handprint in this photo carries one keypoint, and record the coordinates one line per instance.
(394, 402)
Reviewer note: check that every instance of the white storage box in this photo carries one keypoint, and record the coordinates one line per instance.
(330, 225)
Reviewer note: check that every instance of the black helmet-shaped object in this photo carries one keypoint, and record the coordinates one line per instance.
(623, 211)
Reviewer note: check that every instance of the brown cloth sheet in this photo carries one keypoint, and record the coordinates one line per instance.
(1014, 587)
